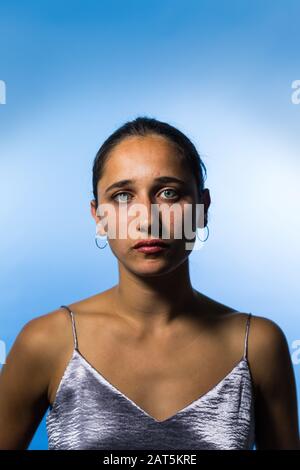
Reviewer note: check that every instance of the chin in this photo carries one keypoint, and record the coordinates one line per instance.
(153, 268)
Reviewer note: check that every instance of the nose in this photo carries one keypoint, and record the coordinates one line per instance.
(148, 216)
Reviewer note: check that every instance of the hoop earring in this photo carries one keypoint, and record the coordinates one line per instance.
(206, 226)
(101, 238)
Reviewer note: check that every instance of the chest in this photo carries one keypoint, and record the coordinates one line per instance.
(90, 413)
(161, 383)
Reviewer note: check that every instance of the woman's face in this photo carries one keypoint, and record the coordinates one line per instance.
(143, 160)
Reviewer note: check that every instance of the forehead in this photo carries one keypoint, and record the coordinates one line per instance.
(139, 156)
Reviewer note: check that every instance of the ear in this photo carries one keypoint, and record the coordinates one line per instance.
(97, 218)
(205, 201)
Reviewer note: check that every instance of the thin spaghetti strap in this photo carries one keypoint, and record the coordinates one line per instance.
(73, 326)
(246, 337)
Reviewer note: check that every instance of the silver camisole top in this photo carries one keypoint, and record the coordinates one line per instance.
(90, 413)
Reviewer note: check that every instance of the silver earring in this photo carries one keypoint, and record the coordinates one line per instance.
(101, 238)
(206, 226)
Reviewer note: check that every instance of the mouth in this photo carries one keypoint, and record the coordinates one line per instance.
(151, 246)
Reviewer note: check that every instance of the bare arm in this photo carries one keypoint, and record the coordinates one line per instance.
(276, 407)
(24, 380)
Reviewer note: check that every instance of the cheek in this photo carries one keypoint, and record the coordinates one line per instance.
(119, 247)
(179, 221)
(126, 225)
(118, 225)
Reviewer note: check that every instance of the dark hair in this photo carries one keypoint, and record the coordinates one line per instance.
(143, 126)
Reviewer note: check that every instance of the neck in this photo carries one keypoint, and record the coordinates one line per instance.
(153, 303)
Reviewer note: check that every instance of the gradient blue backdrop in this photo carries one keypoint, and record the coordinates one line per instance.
(219, 70)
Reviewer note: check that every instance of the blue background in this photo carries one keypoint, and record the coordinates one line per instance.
(221, 71)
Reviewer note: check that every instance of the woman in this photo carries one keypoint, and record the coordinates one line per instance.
(151, 363)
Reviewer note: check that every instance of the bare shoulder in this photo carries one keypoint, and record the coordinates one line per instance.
(42, 338)
(275, 386)
(267, 334)
(37, 326)
(268, 352)
(268, 341)
(26, 375)
(52, 332)
(29, 365)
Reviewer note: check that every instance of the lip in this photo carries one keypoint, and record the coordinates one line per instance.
(155, 243)
(151, 248)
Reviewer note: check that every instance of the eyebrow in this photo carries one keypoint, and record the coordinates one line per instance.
(160, 179)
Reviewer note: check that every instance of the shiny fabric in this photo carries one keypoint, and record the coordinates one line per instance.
(90, 413)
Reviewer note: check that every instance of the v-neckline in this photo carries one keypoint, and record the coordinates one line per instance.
(100, 376)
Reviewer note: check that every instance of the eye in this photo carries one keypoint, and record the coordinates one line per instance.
(116, 195)
(170, 190)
